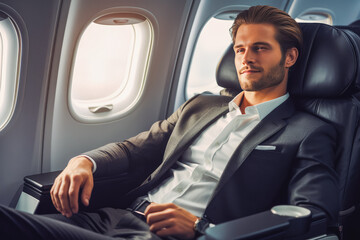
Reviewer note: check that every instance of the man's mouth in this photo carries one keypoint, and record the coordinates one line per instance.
(249, 70)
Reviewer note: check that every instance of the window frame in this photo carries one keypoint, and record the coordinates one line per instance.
(11, 49)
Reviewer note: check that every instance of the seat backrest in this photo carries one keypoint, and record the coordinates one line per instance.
(353, 27)
(325, 82)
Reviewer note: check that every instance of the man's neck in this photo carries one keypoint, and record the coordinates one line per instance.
(257, 97)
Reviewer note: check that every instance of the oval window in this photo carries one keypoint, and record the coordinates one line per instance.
(110, 67)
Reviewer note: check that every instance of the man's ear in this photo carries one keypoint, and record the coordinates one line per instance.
(291, 57)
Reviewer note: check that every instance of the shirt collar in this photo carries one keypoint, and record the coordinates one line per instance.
(263, 108)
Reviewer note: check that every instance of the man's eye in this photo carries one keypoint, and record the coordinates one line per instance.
(239, 50)
(259, 48)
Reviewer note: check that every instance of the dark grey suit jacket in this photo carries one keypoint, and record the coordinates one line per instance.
(299, 171)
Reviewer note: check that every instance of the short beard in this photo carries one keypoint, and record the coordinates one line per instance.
(273, 78)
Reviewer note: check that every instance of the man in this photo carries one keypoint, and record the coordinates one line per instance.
(215, 159)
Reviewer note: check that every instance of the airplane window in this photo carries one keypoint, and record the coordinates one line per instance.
(102, 61)
(9, 68)
(110, 67)
(211, 45)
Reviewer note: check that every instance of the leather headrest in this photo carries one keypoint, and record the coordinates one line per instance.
(329, 62)
(328, 65)
(226, 75)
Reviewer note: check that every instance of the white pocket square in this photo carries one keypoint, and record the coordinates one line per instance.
(265, 147)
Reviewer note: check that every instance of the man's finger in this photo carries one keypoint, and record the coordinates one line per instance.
(64, 197)
(164, 224)
(54, 195)
(159, 216)
(74, 189)
(152, 218)
(157, 207)
(86, 193)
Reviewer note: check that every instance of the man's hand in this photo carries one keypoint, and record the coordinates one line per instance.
(170, 220)
(65, 191)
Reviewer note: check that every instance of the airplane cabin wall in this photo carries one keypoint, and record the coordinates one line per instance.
(65, 136)
(21, 140)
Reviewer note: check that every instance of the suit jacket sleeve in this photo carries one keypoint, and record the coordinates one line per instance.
(314, 182)
(140, 154)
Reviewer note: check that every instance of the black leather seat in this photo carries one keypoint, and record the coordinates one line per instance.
(354, 27)
(326, 82)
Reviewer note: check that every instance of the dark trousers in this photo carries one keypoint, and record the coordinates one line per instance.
(106, 223)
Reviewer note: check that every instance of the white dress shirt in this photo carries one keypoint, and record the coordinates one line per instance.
(195, 176)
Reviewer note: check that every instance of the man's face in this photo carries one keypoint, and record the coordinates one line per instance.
(258, 57)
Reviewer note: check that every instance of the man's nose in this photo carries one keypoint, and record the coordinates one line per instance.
(248, 57)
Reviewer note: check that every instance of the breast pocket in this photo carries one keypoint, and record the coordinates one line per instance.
(268, 163)
(269, 160)
(267, 151)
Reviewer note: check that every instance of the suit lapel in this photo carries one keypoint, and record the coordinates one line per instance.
(265, 129)
(174, 151)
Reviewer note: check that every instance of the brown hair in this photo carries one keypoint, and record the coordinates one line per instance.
(288, 31)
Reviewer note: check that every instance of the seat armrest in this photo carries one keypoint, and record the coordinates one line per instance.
(35, 196)
(269, 225)
(107, 192)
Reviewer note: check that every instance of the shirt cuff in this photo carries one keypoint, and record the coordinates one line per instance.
(92, 160)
